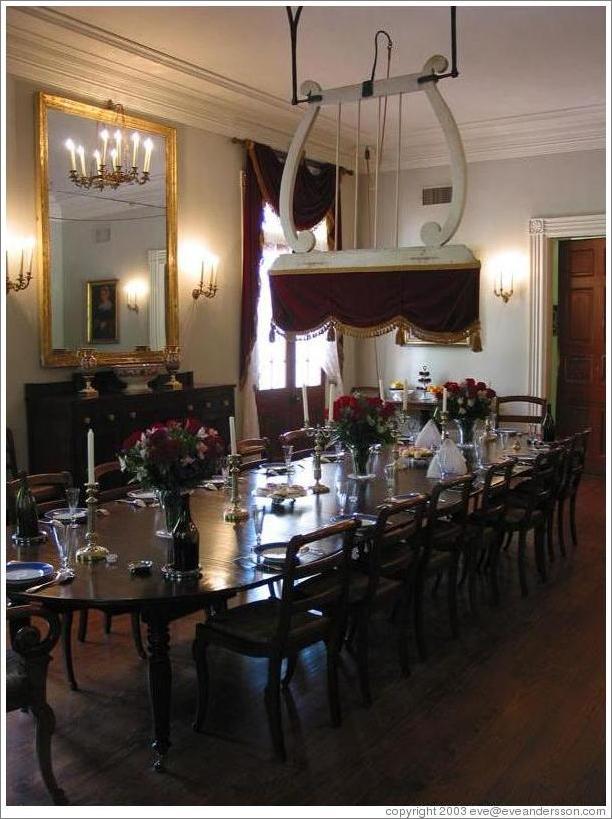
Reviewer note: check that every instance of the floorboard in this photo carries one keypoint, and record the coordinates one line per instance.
(510, 713)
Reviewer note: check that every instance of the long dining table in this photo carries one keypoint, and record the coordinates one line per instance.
(225, 549)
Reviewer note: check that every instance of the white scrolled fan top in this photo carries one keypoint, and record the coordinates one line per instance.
(433, 235)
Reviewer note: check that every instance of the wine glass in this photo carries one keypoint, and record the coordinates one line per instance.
(287, 453)
(341, 497)
(390, 474)
(258, 513)
(73, 494)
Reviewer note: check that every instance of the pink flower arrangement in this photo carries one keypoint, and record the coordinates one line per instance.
(172, 456)
(359, 420)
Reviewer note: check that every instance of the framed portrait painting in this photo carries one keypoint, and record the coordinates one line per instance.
(102, 311)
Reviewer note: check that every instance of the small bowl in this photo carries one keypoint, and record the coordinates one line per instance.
(137, 376)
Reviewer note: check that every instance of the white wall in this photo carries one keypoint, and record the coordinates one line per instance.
(502, 197)
(209, 212)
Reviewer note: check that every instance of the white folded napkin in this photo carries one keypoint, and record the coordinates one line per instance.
(429, 436)
(452, 457)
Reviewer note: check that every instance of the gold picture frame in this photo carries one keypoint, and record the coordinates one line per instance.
(102, 311)
(53, 357)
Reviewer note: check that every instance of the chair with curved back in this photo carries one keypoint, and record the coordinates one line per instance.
(303, 444)
(111, 481)
(280, 628)
(26, 681)
(513, 417)
(254, 452)
(573, 475)
(48, 488)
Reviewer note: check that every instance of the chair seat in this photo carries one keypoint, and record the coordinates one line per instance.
(445, 535)
(483, 517)
(254, 626)
(17, 687)
(399, 560)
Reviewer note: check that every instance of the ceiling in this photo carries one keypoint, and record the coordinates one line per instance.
(538, 71)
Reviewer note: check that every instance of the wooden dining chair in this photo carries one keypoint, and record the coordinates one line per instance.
(112, 481)
(484, 532)
(303, 444)
(528, 511)
(254, 452)
(27, 663)
(574, 469)
(534, 411)
(49, 490)
(443, 544)
(280, 628)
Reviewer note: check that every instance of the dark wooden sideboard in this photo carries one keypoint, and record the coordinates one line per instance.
(58, 420)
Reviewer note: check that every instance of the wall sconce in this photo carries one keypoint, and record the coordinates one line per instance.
(210, 264)
(133, 290)
(24, 250)
(504, 286)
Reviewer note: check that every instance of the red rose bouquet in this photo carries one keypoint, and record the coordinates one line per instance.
(360, 421)
(173, 456)
(469, 400)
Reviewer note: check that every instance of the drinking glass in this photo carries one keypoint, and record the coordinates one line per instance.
(341, 497)
(287, 453)
(223, 466)
(63, 537)
(258, 513)
(390, 474)
(73, 494)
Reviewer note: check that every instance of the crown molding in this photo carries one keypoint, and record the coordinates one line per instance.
(98, 64)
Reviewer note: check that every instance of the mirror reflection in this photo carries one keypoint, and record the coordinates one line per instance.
(107, 234)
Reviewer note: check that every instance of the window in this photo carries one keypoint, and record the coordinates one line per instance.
(284, 363)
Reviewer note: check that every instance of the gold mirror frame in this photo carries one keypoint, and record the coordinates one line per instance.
(68, 358)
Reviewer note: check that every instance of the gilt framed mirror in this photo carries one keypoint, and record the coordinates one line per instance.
(107, 221)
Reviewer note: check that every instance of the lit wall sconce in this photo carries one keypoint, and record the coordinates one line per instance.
(504, 285)
(134, 291)
(208, 278)
(21, 253)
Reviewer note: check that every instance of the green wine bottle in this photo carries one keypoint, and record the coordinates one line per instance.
(26, 512)
(548, 426)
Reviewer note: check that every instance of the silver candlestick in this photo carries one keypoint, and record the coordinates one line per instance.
(234, 511)
(319, 434)
(93, 550)
(443, 425)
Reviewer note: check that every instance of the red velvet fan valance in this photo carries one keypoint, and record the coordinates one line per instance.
(434, 305)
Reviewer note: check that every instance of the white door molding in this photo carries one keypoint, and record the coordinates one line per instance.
(541, 231)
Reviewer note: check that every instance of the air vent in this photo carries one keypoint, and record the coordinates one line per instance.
(437, 196)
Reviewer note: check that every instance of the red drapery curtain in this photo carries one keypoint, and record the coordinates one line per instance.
(315, 193)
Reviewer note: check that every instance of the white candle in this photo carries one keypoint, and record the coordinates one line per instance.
(305, 406)
(232, 426)
(405, 396)
(330, 414)
(98, 160)
(70, 146)
(381, 389)
(444, 398)
(135, 144)
(81, 152)
(148, 144)
(113, 154)
(104, 136)
(91, 477)
(118, 147)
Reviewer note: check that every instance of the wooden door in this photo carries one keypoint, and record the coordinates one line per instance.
(582, 354)
(281, 410)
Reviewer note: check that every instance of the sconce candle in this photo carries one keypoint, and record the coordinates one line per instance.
(70, 146)
(24, 248)
(104, 138)
(135, 144)
(504, 286)
(148, 145)
(118, 147)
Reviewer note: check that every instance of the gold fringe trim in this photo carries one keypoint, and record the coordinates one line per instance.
(403, 328)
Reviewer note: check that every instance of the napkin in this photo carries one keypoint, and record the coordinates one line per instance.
(428, 437)
(453, 460)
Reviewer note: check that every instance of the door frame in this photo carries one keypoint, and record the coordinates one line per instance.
(542, 232)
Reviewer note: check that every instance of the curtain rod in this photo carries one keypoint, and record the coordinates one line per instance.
(348, 171)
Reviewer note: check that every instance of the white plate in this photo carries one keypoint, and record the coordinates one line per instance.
(143, 494)
(65, 515)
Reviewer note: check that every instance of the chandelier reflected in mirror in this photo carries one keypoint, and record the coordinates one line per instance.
(111, 165)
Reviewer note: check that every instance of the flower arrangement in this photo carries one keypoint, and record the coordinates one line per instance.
(469, 400)
(173, 456)
(361, 420)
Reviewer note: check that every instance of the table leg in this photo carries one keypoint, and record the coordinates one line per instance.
(160, 683)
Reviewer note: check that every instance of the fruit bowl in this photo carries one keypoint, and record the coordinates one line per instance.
(136, 376)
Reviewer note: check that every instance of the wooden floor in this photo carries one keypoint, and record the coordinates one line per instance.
(511, 713)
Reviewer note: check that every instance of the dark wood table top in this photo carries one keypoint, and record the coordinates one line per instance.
(130, 533)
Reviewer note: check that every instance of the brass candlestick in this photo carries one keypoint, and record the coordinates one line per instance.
(234, 511)
(92, 551)
(318, 433)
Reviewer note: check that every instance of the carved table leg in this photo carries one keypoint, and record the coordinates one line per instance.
(160, 683)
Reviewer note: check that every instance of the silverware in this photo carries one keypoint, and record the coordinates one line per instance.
(62, 577)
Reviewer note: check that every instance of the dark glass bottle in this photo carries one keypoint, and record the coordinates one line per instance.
(185, 540)
(26, 513)
(548, 426)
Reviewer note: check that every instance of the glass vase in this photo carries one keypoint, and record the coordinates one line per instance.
(466, 426)
(361, 462)
(170, 505)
